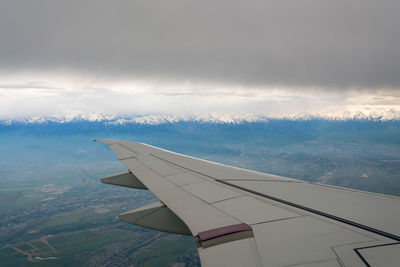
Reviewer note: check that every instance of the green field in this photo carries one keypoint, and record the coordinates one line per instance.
(164, 252)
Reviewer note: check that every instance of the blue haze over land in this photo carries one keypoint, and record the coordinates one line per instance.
(326, 73)
(55, 211)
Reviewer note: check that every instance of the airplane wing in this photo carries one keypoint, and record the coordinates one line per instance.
(240, 217)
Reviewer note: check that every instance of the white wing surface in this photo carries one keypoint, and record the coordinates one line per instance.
(240, 217)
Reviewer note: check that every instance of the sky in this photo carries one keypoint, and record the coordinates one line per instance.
(183, 57)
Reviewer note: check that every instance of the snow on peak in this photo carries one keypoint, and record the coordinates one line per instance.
(156, 119)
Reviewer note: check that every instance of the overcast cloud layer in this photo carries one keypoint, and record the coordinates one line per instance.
(341, 44)
(97, 58)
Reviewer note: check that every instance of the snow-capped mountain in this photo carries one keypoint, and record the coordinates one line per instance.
(155, 119)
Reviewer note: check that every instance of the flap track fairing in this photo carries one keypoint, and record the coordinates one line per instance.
(156, 216)
(125, 178)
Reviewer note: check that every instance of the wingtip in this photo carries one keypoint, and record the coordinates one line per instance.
(106, 180)
(107, 141)
(104, 141)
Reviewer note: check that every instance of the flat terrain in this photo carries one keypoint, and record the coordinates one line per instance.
(54, 211)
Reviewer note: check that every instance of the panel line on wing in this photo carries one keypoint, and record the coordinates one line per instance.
(160, 167)
(184, 167)
(260, 180)
(330, 216)
(252, 211)
(124, 146)
(226, 199)
(380, 259)
(352, 223)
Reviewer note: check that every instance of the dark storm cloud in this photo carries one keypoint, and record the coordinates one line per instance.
(339, 44)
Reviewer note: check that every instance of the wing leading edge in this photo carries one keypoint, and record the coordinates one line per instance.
(244, 218)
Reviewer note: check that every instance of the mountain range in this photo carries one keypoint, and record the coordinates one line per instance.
(155, 119)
